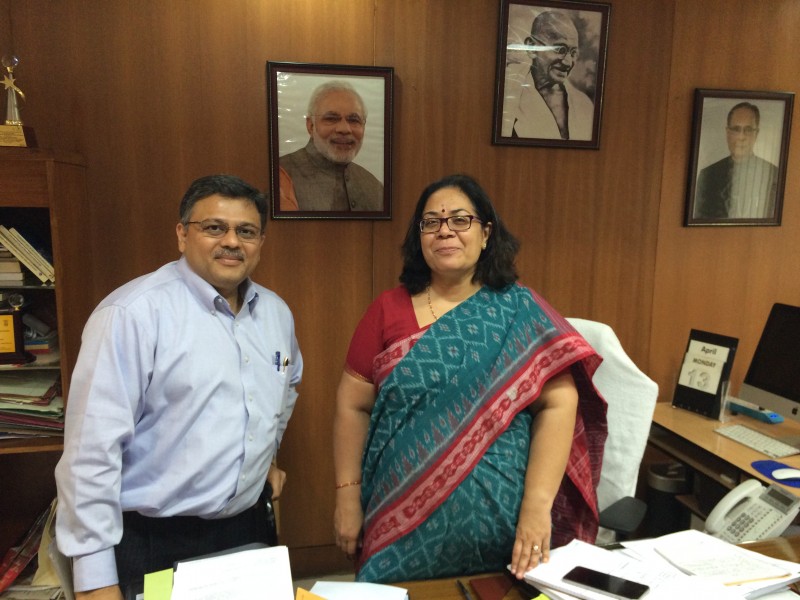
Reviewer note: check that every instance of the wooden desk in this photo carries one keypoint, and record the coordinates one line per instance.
(690, 438)
(447, 589)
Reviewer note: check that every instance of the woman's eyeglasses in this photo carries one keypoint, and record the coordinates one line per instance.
(454, 223)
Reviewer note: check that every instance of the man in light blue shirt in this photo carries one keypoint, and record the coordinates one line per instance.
(183, 388)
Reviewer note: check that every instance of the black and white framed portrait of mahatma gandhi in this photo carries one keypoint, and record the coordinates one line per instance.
(737, 164)
(551, 59)
(330, 140)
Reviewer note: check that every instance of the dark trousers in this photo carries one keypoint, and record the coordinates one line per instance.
(152, 544)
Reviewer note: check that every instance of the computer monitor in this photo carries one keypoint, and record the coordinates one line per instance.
(773, 379)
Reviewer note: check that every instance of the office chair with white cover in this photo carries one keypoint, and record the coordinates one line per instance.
(631, 396)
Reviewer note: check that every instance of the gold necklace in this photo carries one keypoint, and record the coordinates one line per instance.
(435, 318)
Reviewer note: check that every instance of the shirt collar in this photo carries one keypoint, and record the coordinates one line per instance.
(205, 293)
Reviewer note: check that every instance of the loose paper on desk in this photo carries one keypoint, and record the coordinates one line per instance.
(698, 553)
(306, 595)
(346, 590)
(239, 576)
(716, 560)
(665, 581)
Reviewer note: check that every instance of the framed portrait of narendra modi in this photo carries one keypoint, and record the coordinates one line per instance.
(330, 134)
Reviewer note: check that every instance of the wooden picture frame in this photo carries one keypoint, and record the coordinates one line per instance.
(738, 157)
(335, 165)
(560, 46)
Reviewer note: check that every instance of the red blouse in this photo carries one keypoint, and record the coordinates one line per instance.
(388, 319)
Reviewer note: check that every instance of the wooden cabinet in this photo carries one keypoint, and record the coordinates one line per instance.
(45, 192)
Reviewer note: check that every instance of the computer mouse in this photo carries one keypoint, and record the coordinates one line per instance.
(786, 473)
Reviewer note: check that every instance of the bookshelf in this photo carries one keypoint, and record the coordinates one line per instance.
(44, 192)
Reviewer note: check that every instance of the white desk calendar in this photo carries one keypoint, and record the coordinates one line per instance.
(705, 372)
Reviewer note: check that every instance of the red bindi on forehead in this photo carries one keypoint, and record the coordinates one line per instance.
(442, 209)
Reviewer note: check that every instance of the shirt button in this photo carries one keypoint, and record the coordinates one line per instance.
(250, 438)
(246, 359)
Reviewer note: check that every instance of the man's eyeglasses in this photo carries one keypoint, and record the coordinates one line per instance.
(454, 223)
(219, 229)
(331, 118)
(747, 130)
(561, 49)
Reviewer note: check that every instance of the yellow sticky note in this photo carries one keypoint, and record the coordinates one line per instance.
(306, 595)
(158, 585)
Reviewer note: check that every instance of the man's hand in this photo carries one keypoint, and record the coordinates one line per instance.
(111, 592)
(276, 479)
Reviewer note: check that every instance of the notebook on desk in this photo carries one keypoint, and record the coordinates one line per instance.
(493, 587)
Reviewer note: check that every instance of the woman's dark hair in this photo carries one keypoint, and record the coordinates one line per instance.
(495, 267)
(228, 186)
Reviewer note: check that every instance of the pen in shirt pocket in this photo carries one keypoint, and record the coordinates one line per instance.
(286, 362)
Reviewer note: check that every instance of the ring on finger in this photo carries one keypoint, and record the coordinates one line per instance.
(535, 548)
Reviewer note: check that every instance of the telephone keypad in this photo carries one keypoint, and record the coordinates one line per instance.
(747, 520)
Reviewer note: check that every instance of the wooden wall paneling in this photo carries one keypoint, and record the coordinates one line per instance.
(722, 279)
(328, 287)
(6, 45)
(444, 85)
(73, 259)
(24, 496)
(627, 178)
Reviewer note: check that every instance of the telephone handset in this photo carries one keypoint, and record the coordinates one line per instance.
(751, 511)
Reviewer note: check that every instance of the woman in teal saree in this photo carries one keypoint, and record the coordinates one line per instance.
(468, 435)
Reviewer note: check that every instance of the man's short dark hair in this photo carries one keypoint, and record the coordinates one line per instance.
(228, 186)
(748, 106)
(495, 267)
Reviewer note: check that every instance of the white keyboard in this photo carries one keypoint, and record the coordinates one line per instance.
(757, 441)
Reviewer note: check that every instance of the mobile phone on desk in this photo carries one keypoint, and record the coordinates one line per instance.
(613, 586)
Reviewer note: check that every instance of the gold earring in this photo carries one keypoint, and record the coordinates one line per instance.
(483, 246)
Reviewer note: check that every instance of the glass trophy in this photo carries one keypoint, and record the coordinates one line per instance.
(13, 132)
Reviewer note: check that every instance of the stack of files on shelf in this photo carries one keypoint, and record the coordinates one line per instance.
(41, 344)
(30, 404)
(10, 267)
(36, 259)
(727, 572)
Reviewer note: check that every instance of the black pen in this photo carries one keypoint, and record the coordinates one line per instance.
(464, 590)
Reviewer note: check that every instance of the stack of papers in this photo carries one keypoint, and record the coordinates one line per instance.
(687, 564)
(241, 575)
(30, 404)
(346, 590)
(751, 574)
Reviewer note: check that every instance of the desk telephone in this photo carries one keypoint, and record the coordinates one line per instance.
(751, 512)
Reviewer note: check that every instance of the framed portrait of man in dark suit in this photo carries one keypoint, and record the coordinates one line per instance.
(737, 166)
(330, 132)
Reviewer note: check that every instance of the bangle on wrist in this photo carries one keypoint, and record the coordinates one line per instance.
(348, 484)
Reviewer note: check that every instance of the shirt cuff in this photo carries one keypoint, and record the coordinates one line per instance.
(94, 571)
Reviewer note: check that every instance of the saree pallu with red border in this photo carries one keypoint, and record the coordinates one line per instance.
(444, 463)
